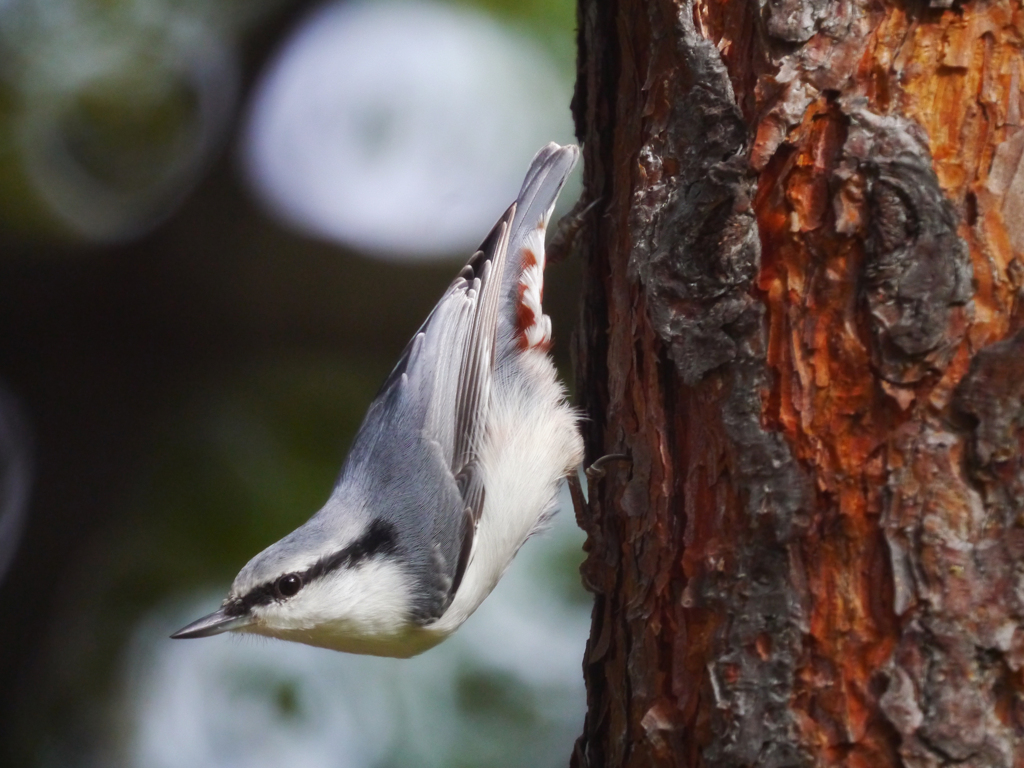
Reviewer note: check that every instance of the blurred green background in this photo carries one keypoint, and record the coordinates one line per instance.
(192, 323)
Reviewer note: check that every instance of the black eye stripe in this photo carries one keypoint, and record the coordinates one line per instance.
(378, 539)
(261, 595)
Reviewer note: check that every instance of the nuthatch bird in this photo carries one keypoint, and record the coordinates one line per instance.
(456, 464)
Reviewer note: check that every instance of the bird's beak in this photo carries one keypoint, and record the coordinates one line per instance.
(217, 622)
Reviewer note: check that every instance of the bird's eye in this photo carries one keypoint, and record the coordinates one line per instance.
(289, 584)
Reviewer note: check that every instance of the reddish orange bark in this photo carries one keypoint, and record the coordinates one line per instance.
(808, 240)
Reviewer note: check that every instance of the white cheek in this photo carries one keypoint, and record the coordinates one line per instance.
(369, 599)
(373, 595)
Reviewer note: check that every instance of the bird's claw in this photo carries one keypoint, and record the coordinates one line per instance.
(582, 502)
(598, 469)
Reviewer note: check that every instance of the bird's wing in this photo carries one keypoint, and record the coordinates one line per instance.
(463, 351)
(414, 458)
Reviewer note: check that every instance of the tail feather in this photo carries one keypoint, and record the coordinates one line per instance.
(524, 275)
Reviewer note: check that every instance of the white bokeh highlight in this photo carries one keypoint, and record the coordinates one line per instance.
(402, 129)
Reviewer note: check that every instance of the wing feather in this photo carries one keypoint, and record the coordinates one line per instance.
(430, 416)
(477, 371)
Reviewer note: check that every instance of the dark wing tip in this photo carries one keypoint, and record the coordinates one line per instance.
(487, 248)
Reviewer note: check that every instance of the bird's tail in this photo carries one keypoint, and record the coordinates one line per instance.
(527, 325)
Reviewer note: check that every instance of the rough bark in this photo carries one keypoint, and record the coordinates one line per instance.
(804, 263)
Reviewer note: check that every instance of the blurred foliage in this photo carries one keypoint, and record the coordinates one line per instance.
(552, 22)
(110, 112)
(255, 459)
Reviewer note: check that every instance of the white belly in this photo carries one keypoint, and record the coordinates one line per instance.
(532, 443)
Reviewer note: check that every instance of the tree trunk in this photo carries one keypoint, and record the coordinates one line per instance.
(802, 296)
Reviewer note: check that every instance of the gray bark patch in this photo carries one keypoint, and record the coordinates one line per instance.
(794, 21)
(954, 527)
(917, 277)
(695, 244)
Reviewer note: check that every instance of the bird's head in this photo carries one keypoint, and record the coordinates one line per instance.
(347, 592)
